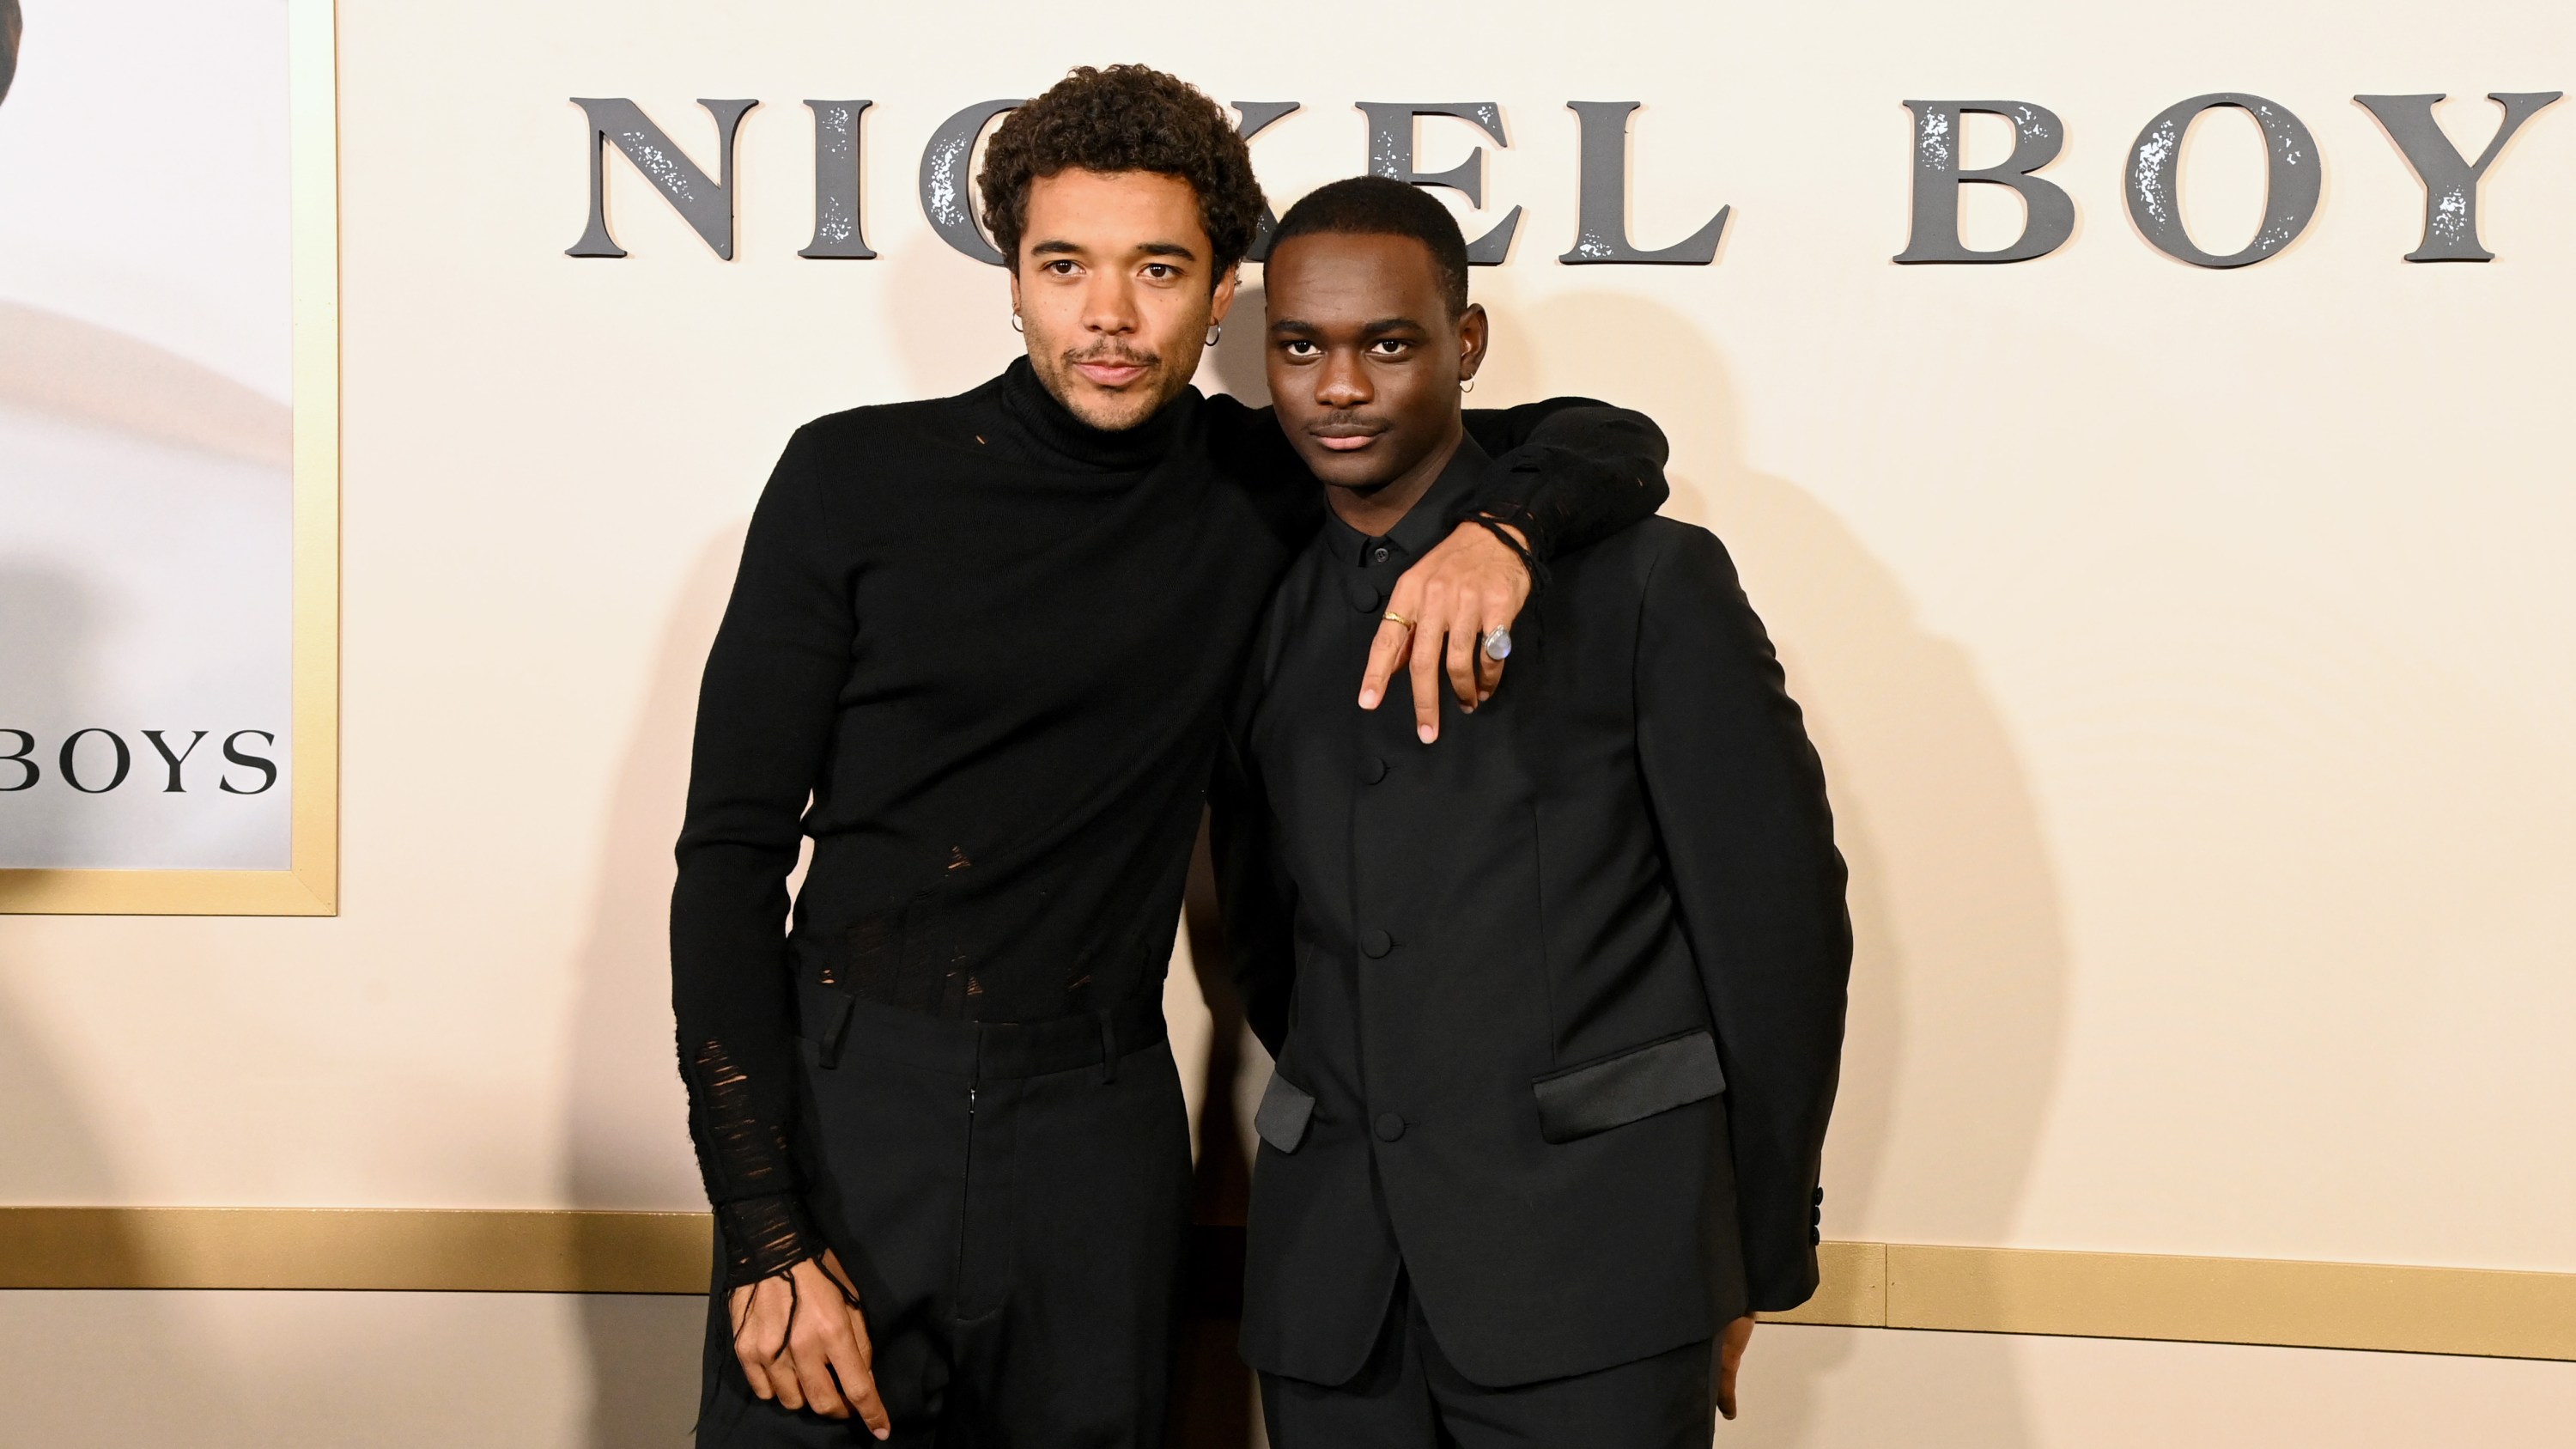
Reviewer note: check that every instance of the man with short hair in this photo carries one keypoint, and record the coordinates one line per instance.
(977, 651)
(1557, 1007)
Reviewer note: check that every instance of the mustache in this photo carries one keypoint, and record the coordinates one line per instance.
(1114, 354)
(1347, 423)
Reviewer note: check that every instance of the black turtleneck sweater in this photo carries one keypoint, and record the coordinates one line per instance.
(977, 651)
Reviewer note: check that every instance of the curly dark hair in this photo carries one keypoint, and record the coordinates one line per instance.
(1124, 118)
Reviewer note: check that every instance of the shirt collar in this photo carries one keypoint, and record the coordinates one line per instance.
(1421, 528)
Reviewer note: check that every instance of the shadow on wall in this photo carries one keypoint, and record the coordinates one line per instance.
(1958, 986)
(628, 1144)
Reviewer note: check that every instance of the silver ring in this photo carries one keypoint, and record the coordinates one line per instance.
(1498, 644)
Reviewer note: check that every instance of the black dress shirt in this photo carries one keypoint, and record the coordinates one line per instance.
(978, 651)
(1557, 1002)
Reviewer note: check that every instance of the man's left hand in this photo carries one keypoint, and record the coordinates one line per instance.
(1470, 584)
(1730, 1357)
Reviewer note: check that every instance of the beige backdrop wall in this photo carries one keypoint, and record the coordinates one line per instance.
(2189, 649)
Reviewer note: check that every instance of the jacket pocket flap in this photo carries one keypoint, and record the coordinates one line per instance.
(1285, 1110)
(1640, 1082)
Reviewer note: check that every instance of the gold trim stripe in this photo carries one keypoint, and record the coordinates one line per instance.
(2386, 1307)
(2399, 1309)
(400, 1249)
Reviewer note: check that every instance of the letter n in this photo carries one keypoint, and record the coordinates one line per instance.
(705, 204)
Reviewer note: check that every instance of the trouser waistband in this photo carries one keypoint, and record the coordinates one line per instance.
(985, 1051)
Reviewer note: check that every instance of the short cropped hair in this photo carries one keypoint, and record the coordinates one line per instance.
(1124, 118)
(1379, 206)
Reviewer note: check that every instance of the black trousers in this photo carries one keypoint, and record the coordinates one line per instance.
(1409, 1396)
(1011, 1203)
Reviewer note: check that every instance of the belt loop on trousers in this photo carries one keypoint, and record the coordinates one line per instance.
(828, 1046)
(1108, 1049)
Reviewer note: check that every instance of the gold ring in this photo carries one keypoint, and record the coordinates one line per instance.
(1393, 617)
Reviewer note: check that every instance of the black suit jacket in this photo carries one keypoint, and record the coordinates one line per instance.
(1557, 1002)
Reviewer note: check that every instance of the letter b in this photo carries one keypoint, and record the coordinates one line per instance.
(29, 771)
(1938, 175)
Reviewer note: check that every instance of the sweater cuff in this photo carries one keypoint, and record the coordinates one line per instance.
(1500, 498)
(764, 1237)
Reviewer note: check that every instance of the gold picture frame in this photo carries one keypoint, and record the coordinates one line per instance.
(310, 885)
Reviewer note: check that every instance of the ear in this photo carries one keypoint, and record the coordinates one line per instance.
(1471, 341)
(1224, 296)
(1015, 291)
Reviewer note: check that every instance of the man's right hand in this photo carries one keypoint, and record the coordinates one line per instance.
(1730, 1357)
(802, 1342)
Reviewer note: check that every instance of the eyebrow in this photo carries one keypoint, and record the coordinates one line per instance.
(1377, 328)
(1151, 249)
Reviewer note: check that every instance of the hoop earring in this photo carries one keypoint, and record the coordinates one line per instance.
(1215, 333)
(1015, 323)
(1466, 384)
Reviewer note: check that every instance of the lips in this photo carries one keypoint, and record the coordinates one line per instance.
(1112, 371)
(1346, 437)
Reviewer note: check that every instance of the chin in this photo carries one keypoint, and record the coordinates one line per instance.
(1345, 470)
(1112, 412)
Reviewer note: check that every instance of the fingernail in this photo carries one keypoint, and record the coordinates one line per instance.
(1368, 699)
(1466, 709)
(1427, 732)
(1488, 694)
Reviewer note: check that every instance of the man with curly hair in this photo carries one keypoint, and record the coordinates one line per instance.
(977, 651)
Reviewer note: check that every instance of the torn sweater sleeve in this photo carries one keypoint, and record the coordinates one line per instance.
(766, 707)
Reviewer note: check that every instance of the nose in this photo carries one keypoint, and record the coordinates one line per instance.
(1342, 382)
(1109, 304)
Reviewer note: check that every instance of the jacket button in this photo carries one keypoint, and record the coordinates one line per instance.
(1365, 597)
(1377, 943)
(1389, 1126)
(1372, 770)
